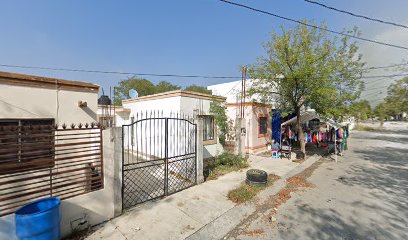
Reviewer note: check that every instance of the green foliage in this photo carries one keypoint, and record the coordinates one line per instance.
(218, 110)
(142, 86)
(196, 88)
(396, 101)
(145, 87)
(397, 98)
(229, 159)
(306, 66)
(245, 192)
(225, 163)
(361, 110)
(364, 128)
(164, 86)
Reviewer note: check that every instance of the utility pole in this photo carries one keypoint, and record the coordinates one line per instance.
(243, 90)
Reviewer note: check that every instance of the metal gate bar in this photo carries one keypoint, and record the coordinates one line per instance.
(164, 161)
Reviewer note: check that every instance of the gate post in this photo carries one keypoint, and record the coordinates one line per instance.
(200, 149)
(117, 141)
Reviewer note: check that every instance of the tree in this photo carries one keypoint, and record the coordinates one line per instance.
(361, 110)
(306, 66)
(380, 111)
(397, 97)
(196, 88)
(218, 110)
(143, 86)
(164, 86)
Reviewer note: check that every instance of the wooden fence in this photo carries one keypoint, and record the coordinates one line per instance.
(39, 161)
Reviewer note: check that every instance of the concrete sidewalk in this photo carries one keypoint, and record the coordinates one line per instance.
(189, 213)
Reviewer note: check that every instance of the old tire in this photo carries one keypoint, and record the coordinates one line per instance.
(256, 177)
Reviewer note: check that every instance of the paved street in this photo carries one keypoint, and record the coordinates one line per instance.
(363, 196)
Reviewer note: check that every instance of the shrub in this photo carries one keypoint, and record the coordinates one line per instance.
(229, 159)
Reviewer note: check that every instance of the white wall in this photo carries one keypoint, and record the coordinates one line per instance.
(232, 91)
(17, 102)
(167, 105)
(189, 105)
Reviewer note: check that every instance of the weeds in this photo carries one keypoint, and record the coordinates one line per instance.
(246, 192)
(226, 163)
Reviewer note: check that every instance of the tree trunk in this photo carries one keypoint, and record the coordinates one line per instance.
(300, 133)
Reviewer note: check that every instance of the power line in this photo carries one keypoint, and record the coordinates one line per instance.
(357, 15)
(387, 66)
(317, 27)
(116, 72)
(164, 75)
(386, 76)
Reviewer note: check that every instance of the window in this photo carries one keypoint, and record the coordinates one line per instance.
(263, 125)
(26, 144)
(208, 127)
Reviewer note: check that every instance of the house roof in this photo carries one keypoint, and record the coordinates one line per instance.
(176, 93)
(18, 79)
(113, 107)
(253, 104)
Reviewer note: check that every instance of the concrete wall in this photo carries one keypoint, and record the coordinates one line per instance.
(251, 140)
(23, 102)
(167, 105)
(254, 141)
(94, 207)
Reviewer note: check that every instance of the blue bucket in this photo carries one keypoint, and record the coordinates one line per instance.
(39, 220)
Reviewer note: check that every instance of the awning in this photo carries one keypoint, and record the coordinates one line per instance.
(310, 115)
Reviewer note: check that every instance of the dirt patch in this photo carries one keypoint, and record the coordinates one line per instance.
(253, 233)
(80, 235)
(293, 184)
(298, 160)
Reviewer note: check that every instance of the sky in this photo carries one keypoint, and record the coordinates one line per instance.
(188, 37)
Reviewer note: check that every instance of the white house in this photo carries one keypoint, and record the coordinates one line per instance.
(178, 103)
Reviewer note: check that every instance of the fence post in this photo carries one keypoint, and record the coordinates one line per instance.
(238, 138)
(116, 140)
(166, 156)
(199, 150)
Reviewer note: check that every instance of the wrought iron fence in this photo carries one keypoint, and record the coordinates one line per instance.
(48, 160)
(159, 157)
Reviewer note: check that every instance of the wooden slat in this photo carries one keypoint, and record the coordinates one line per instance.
(48, 169)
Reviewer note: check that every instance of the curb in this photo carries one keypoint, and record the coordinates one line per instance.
(221, 226)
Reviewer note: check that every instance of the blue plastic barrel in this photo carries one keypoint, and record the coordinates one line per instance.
(39, 220)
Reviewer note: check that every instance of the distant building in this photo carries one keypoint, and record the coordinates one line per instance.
(256, 128)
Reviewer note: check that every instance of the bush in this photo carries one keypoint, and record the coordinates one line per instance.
(225, 163)
(229, 159)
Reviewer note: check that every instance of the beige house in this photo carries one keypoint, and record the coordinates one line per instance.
(255, 126)
(51, 146)
(60, 101)
(256, 123)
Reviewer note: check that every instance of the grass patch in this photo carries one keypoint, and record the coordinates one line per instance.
(366, 128)
(246, 192)
(226, 163)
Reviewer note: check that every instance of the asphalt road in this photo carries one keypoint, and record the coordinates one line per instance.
(363, 196)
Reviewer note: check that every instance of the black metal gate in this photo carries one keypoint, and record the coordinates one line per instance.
(159, 158)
